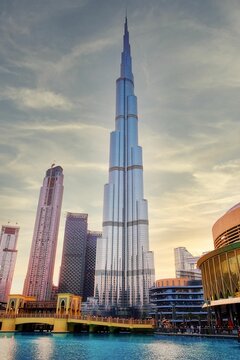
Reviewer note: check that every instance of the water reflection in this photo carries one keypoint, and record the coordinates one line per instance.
(114, 347)
(44, 348)
(8, 347)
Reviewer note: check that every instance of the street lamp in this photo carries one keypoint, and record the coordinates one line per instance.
(173, 315)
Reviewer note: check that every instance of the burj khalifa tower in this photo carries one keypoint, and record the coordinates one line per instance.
(124, 264)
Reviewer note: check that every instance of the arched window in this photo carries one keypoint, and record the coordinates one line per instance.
(12, 305)
(62, 306)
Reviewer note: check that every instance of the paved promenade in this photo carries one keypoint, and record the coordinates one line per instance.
(220, 336)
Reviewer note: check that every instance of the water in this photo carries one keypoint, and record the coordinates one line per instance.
(114, 347)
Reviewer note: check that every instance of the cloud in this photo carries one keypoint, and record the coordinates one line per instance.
(87, 166)
(55, 126)
(37, 99)
(88, 48)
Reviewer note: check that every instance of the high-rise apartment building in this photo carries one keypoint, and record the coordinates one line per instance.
(178, 302)
(124, 266)
(77, 271)
(72, 270)
(8, 256)
(186, 264)
(39, 276)
(90, 263)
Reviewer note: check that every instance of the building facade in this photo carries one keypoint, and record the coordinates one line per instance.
(186, 264)
(72, 270)
(8, 256)
(54, 292)
(178, 302)
(221, 269)
(39, 278)
(90, 263)
(125, 266)
(77, 272)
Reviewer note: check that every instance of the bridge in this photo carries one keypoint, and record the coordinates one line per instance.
(69, 323)
(25, 313)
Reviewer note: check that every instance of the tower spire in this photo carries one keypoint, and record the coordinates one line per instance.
(126, 7)
(126, 63)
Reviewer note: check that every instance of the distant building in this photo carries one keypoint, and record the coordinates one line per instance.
(186, 264)
(171, 282)
(71, 279)
(178, 301)
(54, 293)
(221, 270)
(77, 270)
(91, 307)
(39, 278)
(90, 263)
(8, 256)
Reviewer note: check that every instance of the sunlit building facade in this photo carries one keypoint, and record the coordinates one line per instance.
(221, 268)
(8, 256)
(39, 278)
(124, 266)
(186, 264)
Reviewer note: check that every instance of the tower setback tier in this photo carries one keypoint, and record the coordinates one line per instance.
(125, 266)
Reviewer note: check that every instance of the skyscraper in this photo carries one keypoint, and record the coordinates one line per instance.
(8, 256)
(125, 266)
(186, 264)
(90, 263)
(39, 276)
(73, 257)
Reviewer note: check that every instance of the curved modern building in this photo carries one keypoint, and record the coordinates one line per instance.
(221, 268)
(226, 230)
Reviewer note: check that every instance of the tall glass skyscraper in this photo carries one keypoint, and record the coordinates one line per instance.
(90, 263)
(8, 256)
(72, 270)
(39, 277)
(78, 257)
(186, 264)
(124, 265)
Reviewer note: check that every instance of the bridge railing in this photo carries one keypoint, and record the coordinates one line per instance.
(113, 320)
(28, 315)
(83, 317)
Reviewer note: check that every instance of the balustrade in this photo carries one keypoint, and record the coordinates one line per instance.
(86, 318)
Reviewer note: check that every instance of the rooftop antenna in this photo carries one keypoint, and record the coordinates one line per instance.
(126, 20)
(126, 8)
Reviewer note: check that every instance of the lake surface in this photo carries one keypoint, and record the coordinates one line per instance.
(115, 347)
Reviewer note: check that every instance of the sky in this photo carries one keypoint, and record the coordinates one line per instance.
(59, 60)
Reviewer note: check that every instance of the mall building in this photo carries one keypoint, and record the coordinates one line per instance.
(221, 270)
